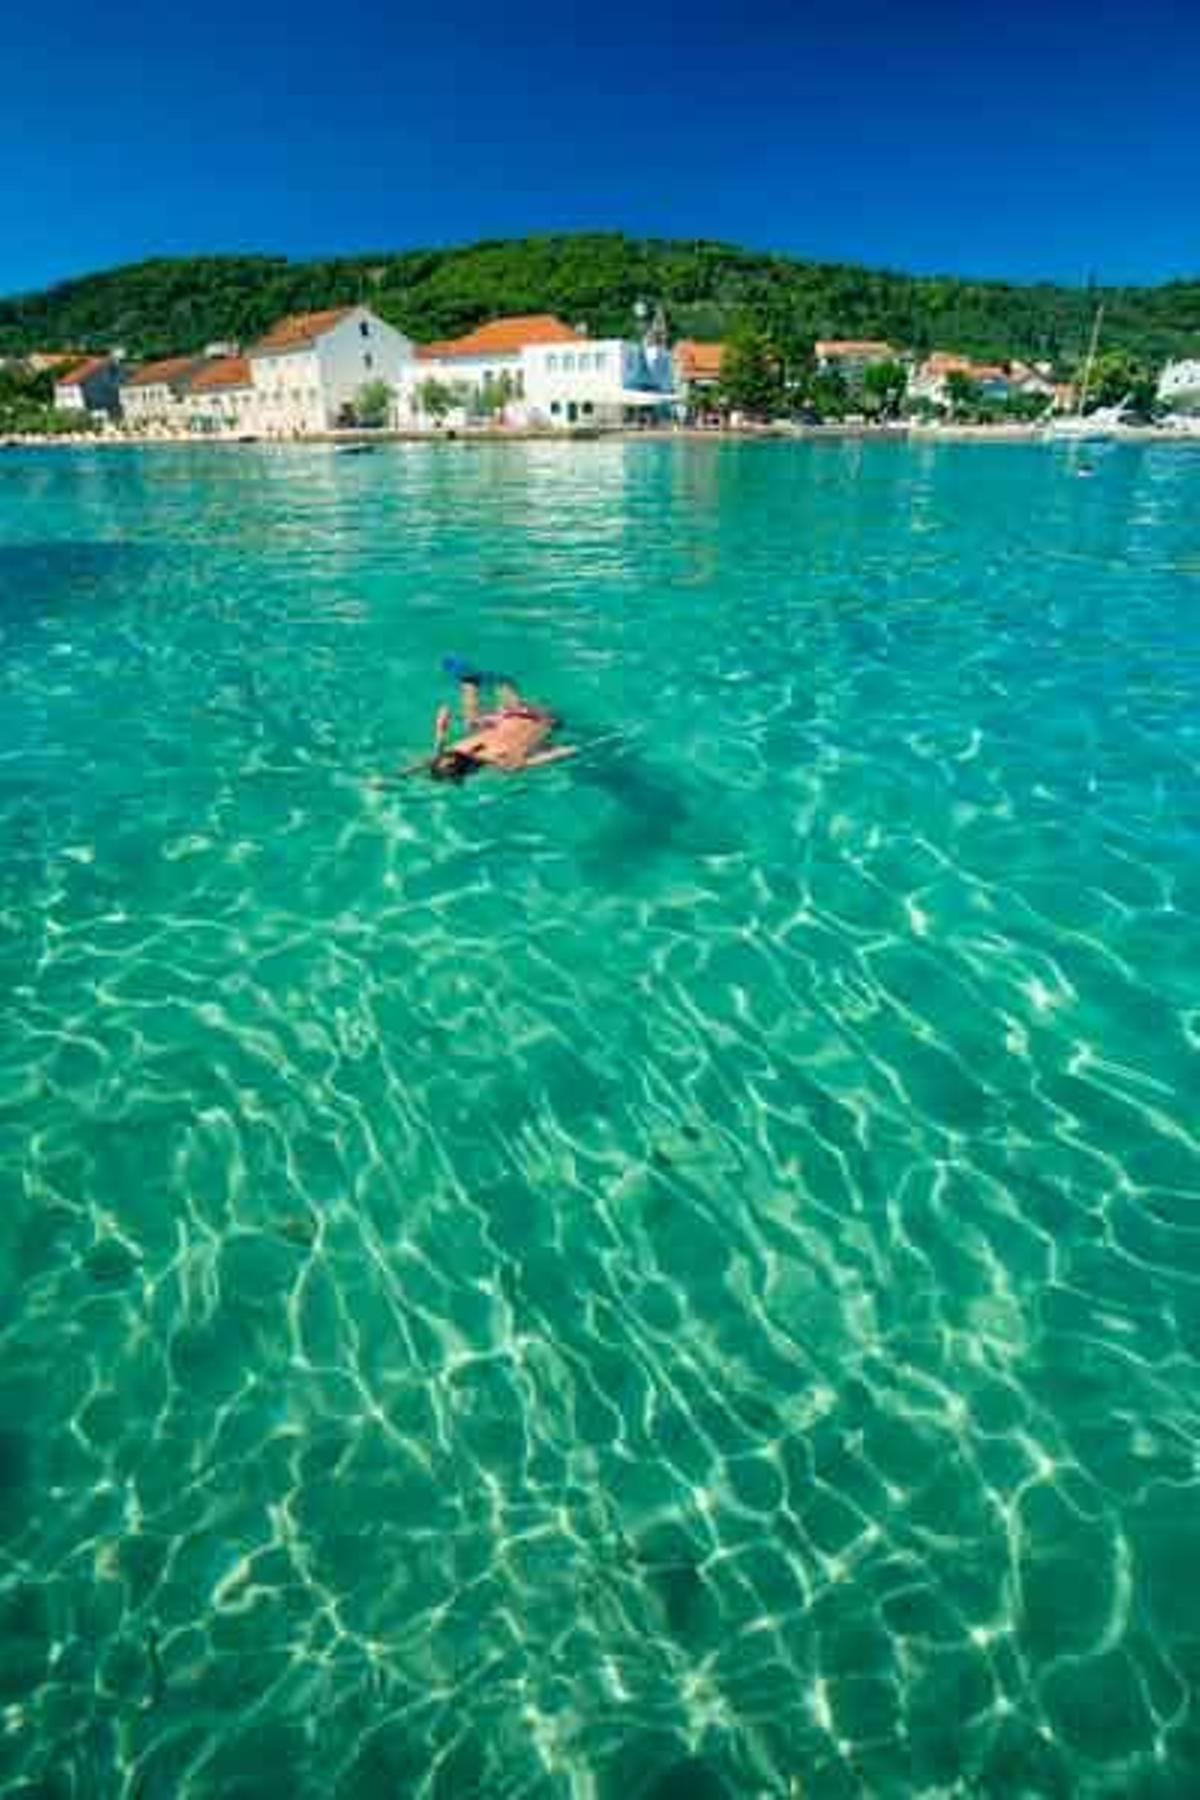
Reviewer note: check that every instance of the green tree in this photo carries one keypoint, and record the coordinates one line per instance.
(750, 374)
(962, 394)
(1025, 407)
(884, 387)
(495, 393)
(437, 398)
(169, 305)
(1117, 376)
(373, 404)
(826, 395)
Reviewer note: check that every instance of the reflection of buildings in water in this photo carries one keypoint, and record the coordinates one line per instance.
(545, 493)
(695, 471)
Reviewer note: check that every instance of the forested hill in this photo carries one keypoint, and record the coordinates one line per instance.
(152, 308)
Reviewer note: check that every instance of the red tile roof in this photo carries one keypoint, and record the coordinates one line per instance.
(82, 371)
(834, 347)
(41, 360)
(174, 371)
(945, 362)
(226, 372)
(502, 337)
(698, 362)
(298, 331)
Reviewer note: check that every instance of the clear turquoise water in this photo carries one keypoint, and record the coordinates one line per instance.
(675, 1276)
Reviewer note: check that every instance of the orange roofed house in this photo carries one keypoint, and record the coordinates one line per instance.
(152, 395)
(994, 381)
(90, 385)
(309, 368)
(220, 397)
(532, 369)
(697, 368)
(852, 357)
(299, 378)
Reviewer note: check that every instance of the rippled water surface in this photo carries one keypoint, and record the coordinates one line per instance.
(675, 1276)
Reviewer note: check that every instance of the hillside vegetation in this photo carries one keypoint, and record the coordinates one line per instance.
(178, 304)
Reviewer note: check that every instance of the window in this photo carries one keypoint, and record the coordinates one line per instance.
(368, 360)
(601, 358)
(587, 406)
(552, 360)
(585, 361)
(364, 328)
(569, 360)
(555, 407)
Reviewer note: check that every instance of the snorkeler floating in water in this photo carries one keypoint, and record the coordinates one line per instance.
(508, 736)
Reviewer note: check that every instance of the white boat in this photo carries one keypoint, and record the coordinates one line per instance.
(1103, 423)
(1106, 420)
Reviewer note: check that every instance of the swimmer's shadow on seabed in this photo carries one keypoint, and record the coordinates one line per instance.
(651, 814)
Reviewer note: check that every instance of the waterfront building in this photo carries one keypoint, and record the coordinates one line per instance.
(852, 357)
(1035, 379)
(153, 397)
(309, 368)
(1179, 385)
(220, 398)
(534, 370)
(929, 379)
(491, 352)
(92, 386)
(697, 368)
(993, 381)
(600, 381)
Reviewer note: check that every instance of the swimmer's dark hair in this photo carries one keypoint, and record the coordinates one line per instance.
(453, 765)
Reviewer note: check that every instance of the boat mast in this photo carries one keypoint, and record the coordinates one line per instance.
(1091, 357)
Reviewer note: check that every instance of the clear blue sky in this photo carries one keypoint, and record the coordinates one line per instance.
(1025, 141)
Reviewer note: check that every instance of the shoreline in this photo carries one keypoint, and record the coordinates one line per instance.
(831, 433)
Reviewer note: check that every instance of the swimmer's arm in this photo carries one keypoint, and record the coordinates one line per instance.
(414, 768)
(541, 757)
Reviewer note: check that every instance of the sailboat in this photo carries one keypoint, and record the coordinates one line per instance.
(1099, 424)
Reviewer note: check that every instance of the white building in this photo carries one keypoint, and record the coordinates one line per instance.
(852, 357)
(154, 396)
(930, 381)
(90, 387)
(1179, 385)
(490, 357)
(602, 381)
(308, 370)
(220, 398)
(534, 370)
(1036, 379)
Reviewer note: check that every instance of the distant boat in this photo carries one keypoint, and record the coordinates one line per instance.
(356, 449)
(1099, 424)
